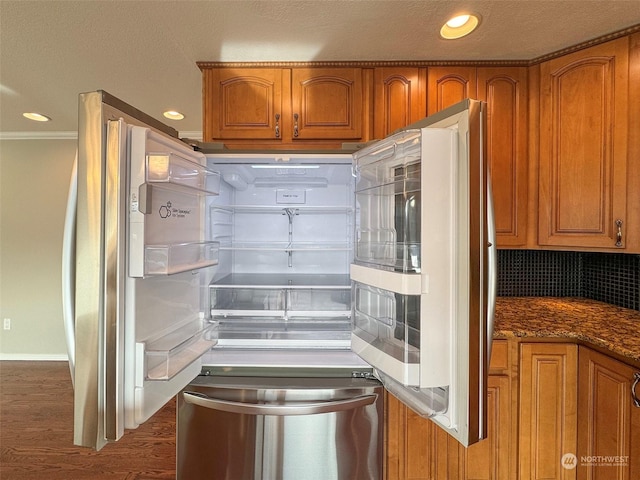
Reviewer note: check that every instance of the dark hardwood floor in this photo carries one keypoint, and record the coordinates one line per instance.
(36, 432)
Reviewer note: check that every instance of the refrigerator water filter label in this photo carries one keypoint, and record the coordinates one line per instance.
(290, 197)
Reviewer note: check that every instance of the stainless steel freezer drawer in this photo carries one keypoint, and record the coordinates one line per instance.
(261, 428)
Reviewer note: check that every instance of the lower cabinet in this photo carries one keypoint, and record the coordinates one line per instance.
(547, 416)
(417, 449)
(608, 420)
(554, 411)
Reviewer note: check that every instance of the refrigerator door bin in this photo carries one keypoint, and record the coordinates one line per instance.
(388, 322)
(169, 185)
(181, 257)
(168, 355)
(388, 201)
(173, 169)
(264, 428)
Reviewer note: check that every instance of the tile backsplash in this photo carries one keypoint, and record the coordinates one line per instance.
(608, 277)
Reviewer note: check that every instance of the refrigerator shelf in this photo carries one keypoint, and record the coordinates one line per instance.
(170, 354)
(309, 332)
(181, 257)
(288, 280)
(170, 168)
(283, 302)
(289, 247)
(281, 209)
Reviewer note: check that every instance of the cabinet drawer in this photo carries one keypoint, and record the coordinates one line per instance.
(499, 362)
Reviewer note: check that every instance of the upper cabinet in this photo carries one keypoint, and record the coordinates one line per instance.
(447, 86)
(280, 106)
(583, 132)
(326, 103)
(399, 98)
(242, 103)
(505, 89)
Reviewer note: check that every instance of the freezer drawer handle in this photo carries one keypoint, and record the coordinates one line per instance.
(278, 409)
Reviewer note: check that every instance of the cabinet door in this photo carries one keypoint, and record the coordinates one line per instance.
(399, 98)
(447, 86)
(326, 103)
(605, 411)
(417, 449)
(505, 91)
(242, 103)
(548, 400)
(583, 147)
(489, 459)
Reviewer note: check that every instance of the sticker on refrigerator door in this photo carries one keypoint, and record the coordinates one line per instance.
(290, 197)
(168, 210)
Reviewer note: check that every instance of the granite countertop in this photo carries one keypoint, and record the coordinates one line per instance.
(599, 324)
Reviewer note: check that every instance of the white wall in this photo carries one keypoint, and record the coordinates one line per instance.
(34, 179)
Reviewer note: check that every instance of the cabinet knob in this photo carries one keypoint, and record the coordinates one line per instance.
(295, 125)
(277, 125)
(636, 380)
(619, 233)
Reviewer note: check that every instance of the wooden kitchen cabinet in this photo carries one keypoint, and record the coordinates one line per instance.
(274, 107)
(583, 132)
(547, 418)
(243, 103)
(417, 449)
(447, 86)
(505, 89)
(327, 103)
(608, 420)
(399, 98)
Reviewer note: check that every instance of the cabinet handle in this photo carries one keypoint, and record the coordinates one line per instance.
(277, 125)
(636, 380)
(295, 125)
(619, 233)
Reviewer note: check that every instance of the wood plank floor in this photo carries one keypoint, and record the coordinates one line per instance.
(36, 432)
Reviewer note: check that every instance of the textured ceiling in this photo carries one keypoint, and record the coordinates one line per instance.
(145, 52)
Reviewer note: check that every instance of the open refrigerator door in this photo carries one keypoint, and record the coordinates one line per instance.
(142, 266)
(422, 270)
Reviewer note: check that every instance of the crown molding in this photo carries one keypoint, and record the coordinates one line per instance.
(38, 135)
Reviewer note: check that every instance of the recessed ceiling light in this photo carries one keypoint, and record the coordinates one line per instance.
(38, 117)
(173, 115)
(459, 26)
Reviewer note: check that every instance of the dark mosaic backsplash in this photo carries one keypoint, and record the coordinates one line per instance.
(608, 277)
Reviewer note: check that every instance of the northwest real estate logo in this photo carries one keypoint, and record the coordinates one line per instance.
(569, 461)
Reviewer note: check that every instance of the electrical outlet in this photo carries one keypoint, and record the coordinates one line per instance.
(7, 324)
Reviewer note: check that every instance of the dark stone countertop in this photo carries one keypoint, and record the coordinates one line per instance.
(608, 327)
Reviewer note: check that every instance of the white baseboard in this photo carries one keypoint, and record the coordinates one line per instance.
(36, 357)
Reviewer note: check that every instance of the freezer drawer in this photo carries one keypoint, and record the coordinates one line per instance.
(259, 428)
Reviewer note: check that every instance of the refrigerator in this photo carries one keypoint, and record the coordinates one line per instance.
(281, 280)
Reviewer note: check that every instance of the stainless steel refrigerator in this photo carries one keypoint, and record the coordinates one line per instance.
(274, 291)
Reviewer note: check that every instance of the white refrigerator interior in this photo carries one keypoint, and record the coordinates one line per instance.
(377, 261)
